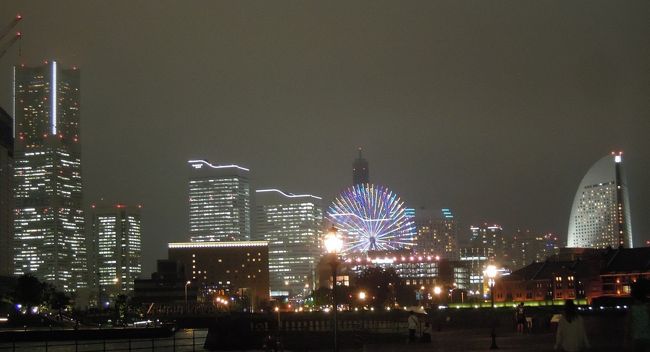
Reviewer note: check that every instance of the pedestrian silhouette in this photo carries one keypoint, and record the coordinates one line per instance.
(571, 335)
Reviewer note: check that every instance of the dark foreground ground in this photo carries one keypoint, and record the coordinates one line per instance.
(479, 340)
(604, 331)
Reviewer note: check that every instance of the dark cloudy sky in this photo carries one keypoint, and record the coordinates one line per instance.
(493, 108)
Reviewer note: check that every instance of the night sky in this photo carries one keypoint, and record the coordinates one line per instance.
(495, 109)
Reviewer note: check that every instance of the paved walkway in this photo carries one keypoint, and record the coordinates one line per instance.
(479, 340)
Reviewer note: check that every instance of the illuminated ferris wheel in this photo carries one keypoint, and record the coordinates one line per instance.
(372, 218)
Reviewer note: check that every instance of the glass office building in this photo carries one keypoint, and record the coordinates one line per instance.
(292, 225)
(49, 239)
(219, 202)
(117, 234)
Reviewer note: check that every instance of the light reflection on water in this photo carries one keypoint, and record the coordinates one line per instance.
(182, 342)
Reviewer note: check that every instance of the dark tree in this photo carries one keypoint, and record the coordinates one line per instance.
(381, 286)
(321, 296)
(59, 301)
(28, 291)
(121, 309)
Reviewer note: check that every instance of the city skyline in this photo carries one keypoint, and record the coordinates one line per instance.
(492, 138)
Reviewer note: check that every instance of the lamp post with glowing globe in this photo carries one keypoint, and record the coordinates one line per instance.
(491, 272)
(333, 245)
(186, 306)
(437, 291)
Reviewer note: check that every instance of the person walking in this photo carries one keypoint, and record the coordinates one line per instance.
(520, 317)
(413, 324)
(638, 319)
(571, 335)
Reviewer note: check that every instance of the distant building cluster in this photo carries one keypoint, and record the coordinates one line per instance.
(249, 246)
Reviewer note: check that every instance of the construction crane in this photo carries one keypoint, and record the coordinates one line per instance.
(10, 26)
(4, 47)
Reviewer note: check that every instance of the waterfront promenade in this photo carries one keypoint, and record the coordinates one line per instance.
(479, 340)
(465, 331)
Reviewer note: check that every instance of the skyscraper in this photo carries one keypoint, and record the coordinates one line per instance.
(220, 202)
(49, 219)
(117, 234)
(360, 170)
(438, 235)
(6, 194)
(491, 237)
(600, 215)
(292, 225)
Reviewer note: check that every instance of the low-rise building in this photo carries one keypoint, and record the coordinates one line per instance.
(168, 286)
(228, 268)
(576, 274)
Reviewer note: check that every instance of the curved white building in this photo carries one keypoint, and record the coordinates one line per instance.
(600, 216)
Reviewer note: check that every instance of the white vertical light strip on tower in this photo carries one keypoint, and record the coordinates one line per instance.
(53, 97)
(13, 112)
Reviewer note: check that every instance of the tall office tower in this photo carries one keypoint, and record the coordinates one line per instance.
(117, 235)
(292, 225)
(438, 235)
(49, 219)
(220, 202)
(360, 170)
(448, 230)
(492, 237)
(600, 215)
(6, 194)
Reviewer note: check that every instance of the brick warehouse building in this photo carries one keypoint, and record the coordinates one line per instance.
(576, 274)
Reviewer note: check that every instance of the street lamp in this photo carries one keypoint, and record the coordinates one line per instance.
(362, 296)
(491, 273)
(186, 284)
(333, 245)
(437, 291)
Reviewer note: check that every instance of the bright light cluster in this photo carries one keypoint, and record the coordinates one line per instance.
(372, 218)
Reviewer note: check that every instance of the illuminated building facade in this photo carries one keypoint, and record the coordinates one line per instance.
(228, 268)
(6, 194)
(219, 202)
(438, 236)
(476, 260)
(292, 225)
(360, 170)
(117, 235)
(49, 219)
(492, 237)
(528, 247)
(417, 270)
(600, 215)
